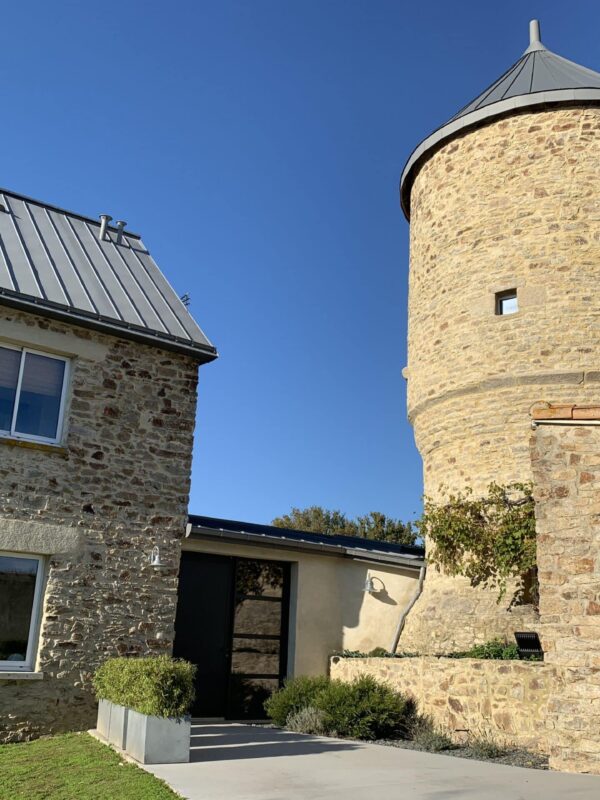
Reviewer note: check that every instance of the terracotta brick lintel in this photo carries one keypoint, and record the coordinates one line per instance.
(564, 411)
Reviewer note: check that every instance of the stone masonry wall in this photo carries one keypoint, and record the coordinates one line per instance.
(506, 700)
(566, 466)
(514, 204)
(117, 487)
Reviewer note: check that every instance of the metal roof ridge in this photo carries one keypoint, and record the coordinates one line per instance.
(65, 211)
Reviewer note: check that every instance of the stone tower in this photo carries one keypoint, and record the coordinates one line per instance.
(504, 301)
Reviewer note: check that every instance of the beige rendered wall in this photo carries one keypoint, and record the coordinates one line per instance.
(514, 204)
(329, 609)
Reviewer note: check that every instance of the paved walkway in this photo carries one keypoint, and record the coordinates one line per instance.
(242, 762)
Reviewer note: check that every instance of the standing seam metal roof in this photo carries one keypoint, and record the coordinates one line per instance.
(539, 78)
(52, 262)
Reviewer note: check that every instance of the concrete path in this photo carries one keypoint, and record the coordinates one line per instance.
(242, 762)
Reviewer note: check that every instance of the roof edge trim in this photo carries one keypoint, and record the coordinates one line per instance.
(204, 354)
(266, 540)
(479, 117)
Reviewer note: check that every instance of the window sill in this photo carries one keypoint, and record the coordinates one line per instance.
(5, 675)
(55, 449)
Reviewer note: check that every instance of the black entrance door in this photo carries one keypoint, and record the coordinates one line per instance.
(202, 627)
(231, 622)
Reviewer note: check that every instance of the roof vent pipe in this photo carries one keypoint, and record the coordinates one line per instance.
(120, 227)
(104, 220)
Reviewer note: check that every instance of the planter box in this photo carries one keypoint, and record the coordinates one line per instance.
(112, 722)
(150, 740)
(155, 740)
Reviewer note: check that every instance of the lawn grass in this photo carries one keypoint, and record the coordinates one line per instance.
(73, 766)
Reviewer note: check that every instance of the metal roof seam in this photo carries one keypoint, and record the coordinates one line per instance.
(114, 273)
(90, 263)
(168, 306)
(44, 247)
(140, 287)
(71, 262)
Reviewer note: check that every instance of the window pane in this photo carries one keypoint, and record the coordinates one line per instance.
(39, 399)
(255, 656)
(9, 374)
(17, 589)
(508, 305)
(258, 616)
(254, 577)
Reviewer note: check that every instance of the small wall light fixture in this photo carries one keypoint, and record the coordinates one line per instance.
(154, 558)
(369, 585)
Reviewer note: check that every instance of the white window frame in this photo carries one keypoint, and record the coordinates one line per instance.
(13, 434)
(32, 640)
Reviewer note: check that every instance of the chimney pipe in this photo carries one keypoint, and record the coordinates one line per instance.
(120, 226)
(104, 220)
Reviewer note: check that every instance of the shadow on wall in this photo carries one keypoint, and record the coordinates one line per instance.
(234, 742)
(370, 619)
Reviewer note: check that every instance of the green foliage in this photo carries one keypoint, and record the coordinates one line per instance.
(485, 746)
(365, 709)
(379, 652)
(362, 709)
(307, 720)
(374, 525)
(158, 685)
(490, 540)
(296, 694)
(496, 648)
(71, 766)
(428, 737)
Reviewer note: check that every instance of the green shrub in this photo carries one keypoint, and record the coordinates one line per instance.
(427, 736)
(485, 746)
(296, 695)
(158, 685)
(378, 652)
(495, 649)
(307, 720)
(364, 709)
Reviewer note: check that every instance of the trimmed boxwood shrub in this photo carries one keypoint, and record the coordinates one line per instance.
(156, 685)
(296, 695)
(362, 709)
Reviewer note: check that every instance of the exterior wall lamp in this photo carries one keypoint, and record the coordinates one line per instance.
(154, 559)
(370, 587)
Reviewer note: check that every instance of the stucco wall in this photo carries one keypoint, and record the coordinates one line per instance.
(513, 204)
(329, 609)
(507, 700)
(94, 508)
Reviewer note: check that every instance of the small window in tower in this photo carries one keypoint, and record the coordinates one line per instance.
(506, 302)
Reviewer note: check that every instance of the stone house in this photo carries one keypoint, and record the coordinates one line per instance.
(98, 371)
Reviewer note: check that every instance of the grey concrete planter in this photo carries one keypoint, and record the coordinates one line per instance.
(150, 740)
(155, 740)
(112, 722)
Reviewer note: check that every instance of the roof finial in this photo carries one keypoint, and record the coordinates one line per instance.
(535, 42)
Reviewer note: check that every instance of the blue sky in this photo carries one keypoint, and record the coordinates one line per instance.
(257, 147)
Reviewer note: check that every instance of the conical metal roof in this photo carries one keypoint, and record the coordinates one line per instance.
(540, 77)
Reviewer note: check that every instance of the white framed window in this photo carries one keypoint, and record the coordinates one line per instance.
(32, 394)
(21, 581)
(506, 302)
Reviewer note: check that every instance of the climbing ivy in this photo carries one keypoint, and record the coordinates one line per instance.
(490, 539)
